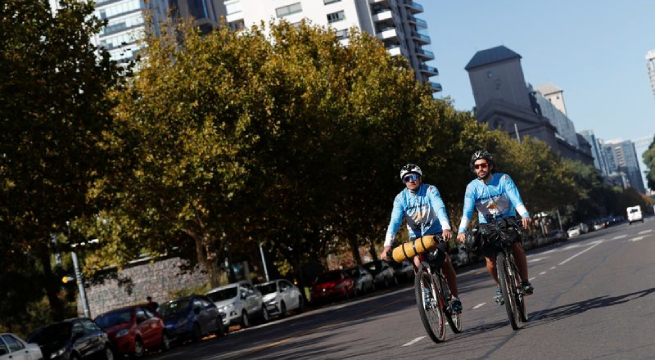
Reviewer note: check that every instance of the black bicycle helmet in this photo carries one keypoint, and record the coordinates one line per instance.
(481, 154)
(410, 168)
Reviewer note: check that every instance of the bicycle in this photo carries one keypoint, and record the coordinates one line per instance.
(432, 296)
(508, 273)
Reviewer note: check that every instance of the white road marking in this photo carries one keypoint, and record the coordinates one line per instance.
(581, 252)
(572, 247)
(538, 259)
(532, 278)
(637, 238)
(542, 273)
(479, 306)
(415, 341)
(619, 237)
(645, 231)
(553, 268)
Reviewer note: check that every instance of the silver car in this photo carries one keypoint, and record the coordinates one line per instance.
(240, 302)
(281, 296)
(363, 280)
(13, 347)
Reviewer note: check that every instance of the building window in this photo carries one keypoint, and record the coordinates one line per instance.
(342, 34)
(337, 16)
(326, 2)
(197, 9)
(288, 10)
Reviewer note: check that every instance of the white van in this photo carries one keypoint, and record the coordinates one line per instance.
(634, 214)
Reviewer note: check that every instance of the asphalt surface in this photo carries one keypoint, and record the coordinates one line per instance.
(594, 299)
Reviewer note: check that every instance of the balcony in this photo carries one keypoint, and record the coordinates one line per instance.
(387, 34)
(420, 38)
(384, 15)
(394, 50)
(436, 87)
(417, 22)
(429, 70)
(425, 55)
(379, 2)
(413, 7)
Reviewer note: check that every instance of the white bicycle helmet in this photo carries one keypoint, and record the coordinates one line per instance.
(410, 168)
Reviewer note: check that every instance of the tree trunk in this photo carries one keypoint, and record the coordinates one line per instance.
(354, 247)
(51, 285)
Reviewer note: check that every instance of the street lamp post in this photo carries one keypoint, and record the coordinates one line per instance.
(261, 251)
(78, 275)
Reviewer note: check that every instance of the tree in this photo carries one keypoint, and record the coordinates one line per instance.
(52, 90)
(649, 160)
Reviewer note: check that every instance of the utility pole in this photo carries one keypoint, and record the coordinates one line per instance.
(78, 275)
(261, 251)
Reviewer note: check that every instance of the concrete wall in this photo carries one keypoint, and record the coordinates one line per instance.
(133, 284)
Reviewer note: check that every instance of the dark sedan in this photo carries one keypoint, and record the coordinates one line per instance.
(78, 339)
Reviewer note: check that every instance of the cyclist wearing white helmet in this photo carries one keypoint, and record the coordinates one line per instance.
(425, 213)
(494, 194)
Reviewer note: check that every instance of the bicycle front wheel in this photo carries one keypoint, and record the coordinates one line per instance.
(454, 319)
(507, 289)
(429, 310)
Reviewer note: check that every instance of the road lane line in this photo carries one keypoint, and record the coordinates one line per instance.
(542, 273)
(619, 237)
(415, 341)
(581, 252)
(637, 238)
(532, 278)
(478, 306)
(552, 268)
(645, 231)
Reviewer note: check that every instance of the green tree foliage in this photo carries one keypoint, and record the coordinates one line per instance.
(649, 160)
(52, 88)
(282, 137)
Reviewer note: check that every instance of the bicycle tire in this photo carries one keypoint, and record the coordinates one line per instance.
(520, 296)
(431, 313)
(454, 319)
(506, 290)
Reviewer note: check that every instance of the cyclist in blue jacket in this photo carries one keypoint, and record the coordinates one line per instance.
(494, 195)
(425, 213)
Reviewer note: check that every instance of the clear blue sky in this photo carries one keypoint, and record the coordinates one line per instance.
(592, 49)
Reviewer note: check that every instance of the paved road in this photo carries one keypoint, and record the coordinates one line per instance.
(594, 299)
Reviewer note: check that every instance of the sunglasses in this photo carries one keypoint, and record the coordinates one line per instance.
(481, 166)
(409, 177)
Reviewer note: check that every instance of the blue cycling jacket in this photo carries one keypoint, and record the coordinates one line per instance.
(424, 212)
(498, 197)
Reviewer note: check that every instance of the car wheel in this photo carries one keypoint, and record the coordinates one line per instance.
(196, 332)
(301, 304)
(220, 328)
(283, 309)
(139, 349)
(245, 322)
(109, 355)
(265, 315)
(165, 342)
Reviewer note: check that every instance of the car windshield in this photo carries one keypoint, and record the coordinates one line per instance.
(633, 211)
(51, 333)
(224, 294)
(574, 228)
(267, 288)
(328, 277)
(114, 318)
(175, 306)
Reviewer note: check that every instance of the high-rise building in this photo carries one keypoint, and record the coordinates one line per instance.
(393, 22)
(597, 151)
(622, 157)
(650, 66)
(127, 21)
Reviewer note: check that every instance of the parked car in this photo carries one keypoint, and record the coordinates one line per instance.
(191, 317)
(599, 225)
(331, 285)
(78, 338)
(281, 296)
(12, 347)
(634, 214)
(362, 278)
(134, 329)
(240, 302)
(383, 274)
(574, 231)
(403, 271)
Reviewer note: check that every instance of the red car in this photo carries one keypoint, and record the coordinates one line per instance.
(332, 285)
(134, 329)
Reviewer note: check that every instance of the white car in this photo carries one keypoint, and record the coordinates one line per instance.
(634, 214)
(12, 347)
(240, 302)
(281, 296)
(574, 231)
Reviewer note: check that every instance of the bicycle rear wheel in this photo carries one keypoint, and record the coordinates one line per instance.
(507, 289)
(454, 319)
(431, 313)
